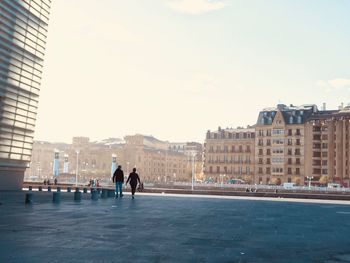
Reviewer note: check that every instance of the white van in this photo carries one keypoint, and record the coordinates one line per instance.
(333, 185)
(289, 185)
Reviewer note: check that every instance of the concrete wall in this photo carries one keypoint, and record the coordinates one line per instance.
(11, 178)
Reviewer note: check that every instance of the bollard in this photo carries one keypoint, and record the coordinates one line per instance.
(29, 198)
(56, 197)
(69, 189)
(30, 188)
(104, 193)
(94, 195)
(49, 188)
(111, 193)
(40, 188)
(77, 195)
(85, 190)
(58, 189)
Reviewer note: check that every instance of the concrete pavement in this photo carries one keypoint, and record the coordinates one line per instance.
(171, 229)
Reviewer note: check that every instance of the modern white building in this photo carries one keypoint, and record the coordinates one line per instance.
(23, 32)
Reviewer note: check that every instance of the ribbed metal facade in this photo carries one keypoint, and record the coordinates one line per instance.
(23, 32)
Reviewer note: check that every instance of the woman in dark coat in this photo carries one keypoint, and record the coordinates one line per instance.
(133, 179)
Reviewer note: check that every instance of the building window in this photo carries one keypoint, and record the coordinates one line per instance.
(277, 170)
(289, 170)
(277, 150)
(297, 171)
(316, 171)
(277, 131)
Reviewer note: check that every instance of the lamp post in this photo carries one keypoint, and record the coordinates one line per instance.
(309, 178)
(222, 179)
(77, 167)
(193, 170)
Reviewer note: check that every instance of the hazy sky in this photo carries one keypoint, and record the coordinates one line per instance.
(176, 68)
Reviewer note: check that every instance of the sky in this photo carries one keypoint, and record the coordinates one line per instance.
(174, 69)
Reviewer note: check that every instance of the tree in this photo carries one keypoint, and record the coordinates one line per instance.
(323, 179)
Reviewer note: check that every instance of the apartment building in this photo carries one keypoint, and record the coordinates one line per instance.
(327, 148)
(229, 154)
(279, 144)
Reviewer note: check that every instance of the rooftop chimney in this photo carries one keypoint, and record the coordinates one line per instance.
(324, 106)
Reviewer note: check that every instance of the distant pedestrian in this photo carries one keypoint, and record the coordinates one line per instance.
(133, 178)
(45, 182)
(118, 179)
(55, 181)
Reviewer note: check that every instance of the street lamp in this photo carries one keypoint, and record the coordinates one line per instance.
(222, 179)
(76, 170)
(309, 178)
(193, 170)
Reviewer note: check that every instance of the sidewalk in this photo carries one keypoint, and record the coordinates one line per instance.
(170, 229)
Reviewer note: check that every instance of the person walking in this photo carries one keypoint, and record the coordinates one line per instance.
(133, 178)
(118, 179)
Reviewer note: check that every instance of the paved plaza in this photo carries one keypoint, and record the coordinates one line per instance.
(160, 228)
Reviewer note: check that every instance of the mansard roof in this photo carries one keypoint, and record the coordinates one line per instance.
(291, 114)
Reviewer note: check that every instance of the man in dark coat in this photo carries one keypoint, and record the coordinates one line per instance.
(118, 179)
(133, 178)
